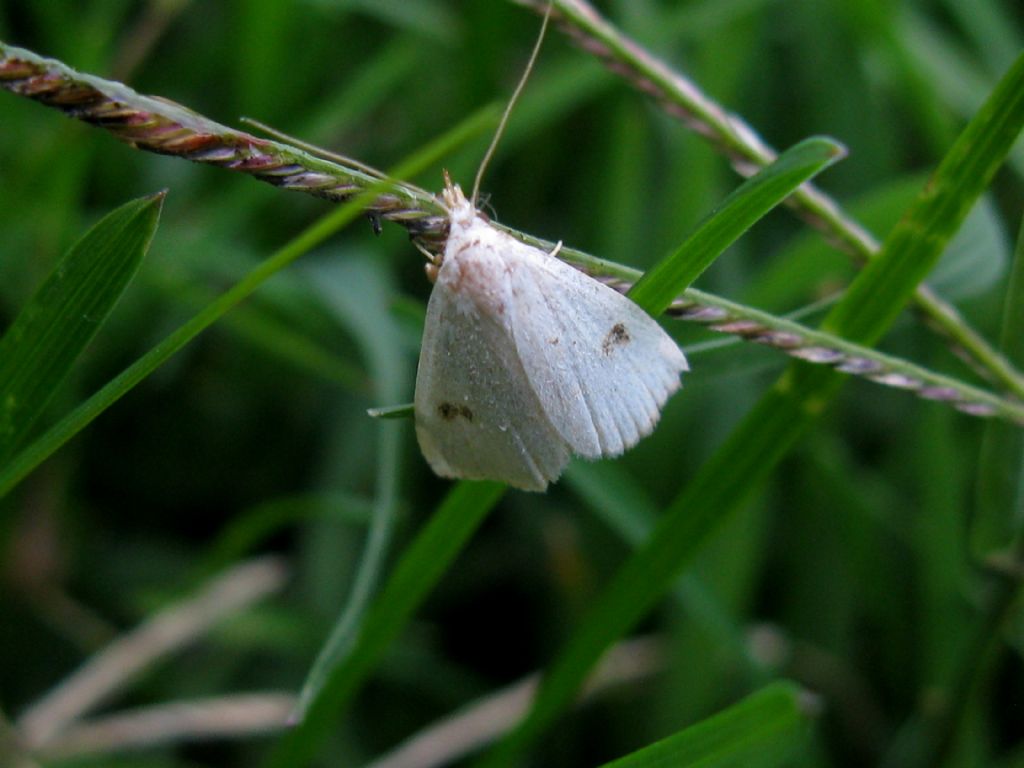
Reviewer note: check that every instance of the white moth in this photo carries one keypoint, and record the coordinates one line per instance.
(526, 361)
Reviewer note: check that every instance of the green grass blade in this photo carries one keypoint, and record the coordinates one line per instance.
(661, 284)
(763, 729)
(998, 521)
(251, 528)
(877, 296)
(615, 498)
(424, 562)
(779, 419)
(291, 346)
(359, 296)
(317, 233)
(403, 411)
(59, 321)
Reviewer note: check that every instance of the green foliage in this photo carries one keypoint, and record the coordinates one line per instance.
(798, 530)
(997, 525)
(772, 427)
(39, 348)
(764, 729)
(423, 563)
(661, 284)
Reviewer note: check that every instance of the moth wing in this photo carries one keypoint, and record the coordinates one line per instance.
(476, 414)
(601, 366)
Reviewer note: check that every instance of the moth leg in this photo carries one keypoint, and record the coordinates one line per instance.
(556, 249)
(433, 264)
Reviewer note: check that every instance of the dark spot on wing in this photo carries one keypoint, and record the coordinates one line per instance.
(617, 336)
(450, 412)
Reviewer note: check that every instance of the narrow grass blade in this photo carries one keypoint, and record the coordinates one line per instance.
(59, 321)
(247, 530)
(782, 415)
(615, 498)
(424, 562)
(878, 295)
(998, 521)
(277, 338)
(403, 411)
(762, 730)
(661, 284)
(358, 294)
(117, 387)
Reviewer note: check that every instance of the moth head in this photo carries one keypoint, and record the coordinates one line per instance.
(451, 196)
(461, 211)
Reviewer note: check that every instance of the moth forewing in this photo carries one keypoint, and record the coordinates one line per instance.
(477, 414)
(603, 367)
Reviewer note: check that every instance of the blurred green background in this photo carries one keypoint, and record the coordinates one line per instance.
(850, 572)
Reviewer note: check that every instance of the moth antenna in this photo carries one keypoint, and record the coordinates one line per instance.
(511, 103)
